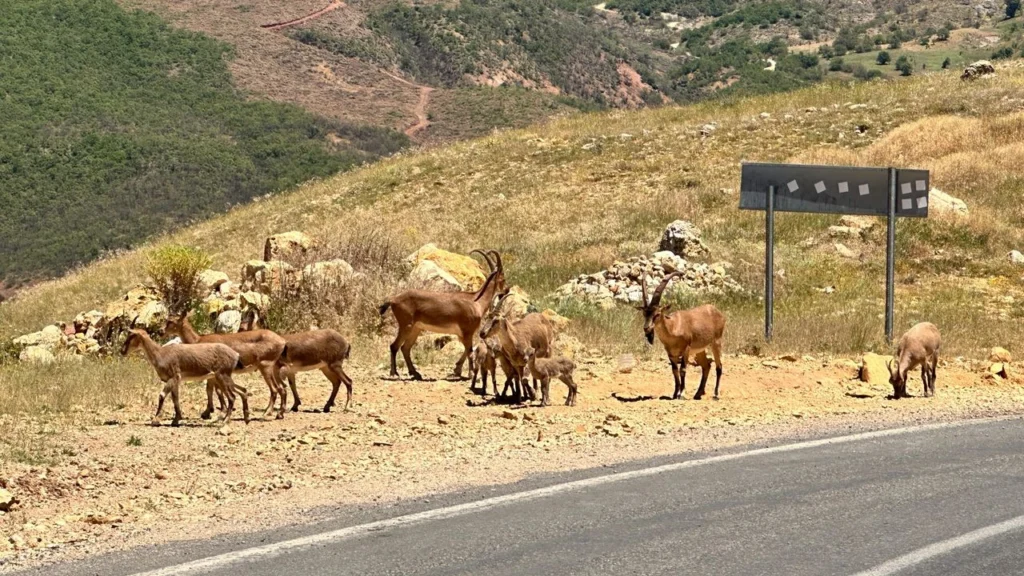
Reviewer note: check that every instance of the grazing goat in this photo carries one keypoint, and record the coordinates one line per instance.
(918, 347)
(685, 333)
(484, 363)
(534, 330)
(325, 350)
(259, 350)
(458, 313)
(547, 368)
(190, 362)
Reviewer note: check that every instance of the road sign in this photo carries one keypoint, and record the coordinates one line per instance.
(834, 189)
(886, 192)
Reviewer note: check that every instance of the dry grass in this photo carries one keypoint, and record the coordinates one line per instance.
(556, 207)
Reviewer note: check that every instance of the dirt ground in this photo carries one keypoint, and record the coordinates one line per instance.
(128, 484)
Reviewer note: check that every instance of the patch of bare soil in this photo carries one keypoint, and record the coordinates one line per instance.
(126, 483)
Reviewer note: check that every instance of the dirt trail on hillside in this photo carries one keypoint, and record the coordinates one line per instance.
(125, 483)
(334, 5)
(422, 120)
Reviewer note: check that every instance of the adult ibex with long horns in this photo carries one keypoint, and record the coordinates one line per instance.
(457, 313)
(685, 333)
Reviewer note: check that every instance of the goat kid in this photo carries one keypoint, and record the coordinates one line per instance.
(918, 347)
(547, 368)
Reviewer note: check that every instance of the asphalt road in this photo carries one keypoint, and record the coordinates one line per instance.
(843, 508)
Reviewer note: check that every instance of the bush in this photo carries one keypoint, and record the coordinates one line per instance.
(1003, 53)
(883, 58)
(1012, 7)
(860, 72)
(905, 68)
(175, 272)
(946, 63)
(835, 65)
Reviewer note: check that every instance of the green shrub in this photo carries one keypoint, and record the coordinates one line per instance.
(883, 58)
(175, 272)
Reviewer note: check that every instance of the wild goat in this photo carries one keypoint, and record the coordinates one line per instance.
(918, 347)
(259, 350)
(190, 362)
(484, 363)
(685, 333)
(533, 330)
(547, 368)
(458, 313)
(325, 350)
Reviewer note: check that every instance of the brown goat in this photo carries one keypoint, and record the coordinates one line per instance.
(533, 330)
(918, 347)
(547, 368)
(179, 363)
(325, 350)
(685, 333)
(259, 350)
(484, 363)
(458, 313)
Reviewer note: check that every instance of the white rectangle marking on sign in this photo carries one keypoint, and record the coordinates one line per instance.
(793, 186)
(922, 202)
(864, 190)
(921, 185)
(820, 187)
(907, 188)
(908, 204)
(844, 187)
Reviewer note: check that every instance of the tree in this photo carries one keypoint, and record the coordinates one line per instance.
(175, 272)
(946, 63)
(1012, 7)
(943, 34)
(835, 65)
(883, 58)
(904, 66)
(895, 43)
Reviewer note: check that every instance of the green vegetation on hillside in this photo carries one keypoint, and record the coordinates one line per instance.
(115, 127)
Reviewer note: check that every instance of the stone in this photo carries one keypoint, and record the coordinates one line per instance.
(268, 276)
(683, 239)
(37, 355)
(509, 415)
(625, 363)
(7, 500)
(328, 273)
(860, 222)
(998, 369)
(287, 245)
(152, 316)
(49, 338)
(443, 420)
(466, 271)
(558, 322)
(125, 313)
(427, 275)
(228, 322)
(517, 304)
(844, 232)
(943, 204)
(84, 321)
(874, 369)
(1015, 257)
(998, 354)
(845, 252)
(210, 280)
(978, 69)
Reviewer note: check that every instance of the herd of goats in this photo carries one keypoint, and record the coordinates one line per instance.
(521, 347)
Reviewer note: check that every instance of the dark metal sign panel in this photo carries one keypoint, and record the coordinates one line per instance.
(834, 189)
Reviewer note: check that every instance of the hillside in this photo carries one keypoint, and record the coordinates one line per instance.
(116, 127)
(572, 196)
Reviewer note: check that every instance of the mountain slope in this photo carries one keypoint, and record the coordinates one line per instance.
(116, 127)
(573, 196)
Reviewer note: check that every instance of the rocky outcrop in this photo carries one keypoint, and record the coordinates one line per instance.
(286, 246)
(874, 369)
(683, 239)
(464, 270)
(978, 69)
(427, 275)
(943, 204)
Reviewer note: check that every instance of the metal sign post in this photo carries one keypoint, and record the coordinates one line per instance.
(888, 192)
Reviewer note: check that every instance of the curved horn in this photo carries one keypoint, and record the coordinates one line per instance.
(643, 290)
(888, 364)
(490, 264)
(656, 298)
(497, 258)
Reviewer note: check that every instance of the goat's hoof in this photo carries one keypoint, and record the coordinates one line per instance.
(295, 408)
(206, 415)
(416, 376)
(175, 423)
(697, 397)
(154, 423)
(327, 409)
(715, 397)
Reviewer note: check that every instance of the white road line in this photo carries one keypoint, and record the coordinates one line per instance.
(939, 548)
(278, 548)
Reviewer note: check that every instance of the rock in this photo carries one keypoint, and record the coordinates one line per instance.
(228, 322)
(770, 364)
(790, 358)
(558, 322)
(844, 232)
(7, 500)
(328, 273)
(49, 338)
(103, 519)
(708, 129)
(83, 345)
(466, 271)
(998, 369)
(161, 475)
(152, 316)
(140, 307)
(1016, 257)
(443, 420)
(429, 276)
(254, 301)
(998, 354)
(943, 204)
(978, 69)
(845, 252)
(625, 363)
(516, 304)
(287, 245)
(683, 239)
(37, 355)
(86, 321)
(568, 346)
(509, 415)
(210, 281)
(859, 222)
(268, 276)
(874, 369)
